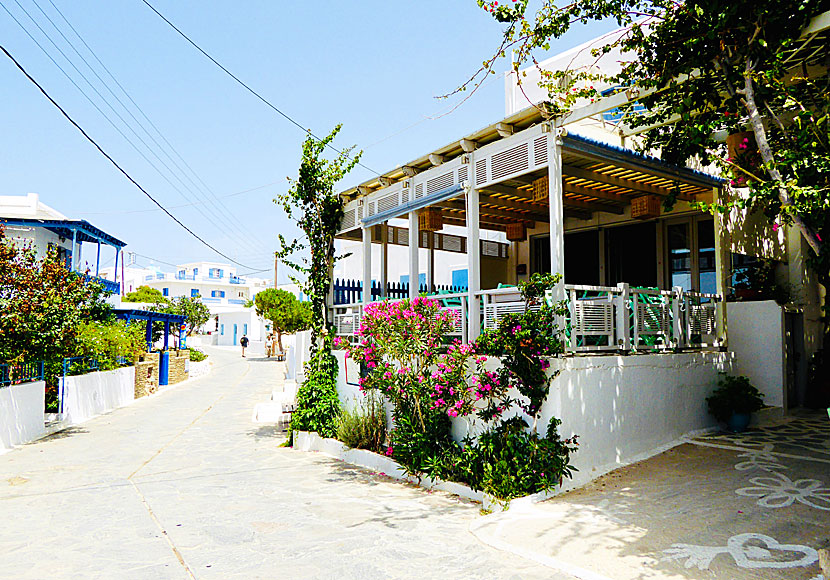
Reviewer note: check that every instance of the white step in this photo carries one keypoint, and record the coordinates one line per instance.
(269, 413)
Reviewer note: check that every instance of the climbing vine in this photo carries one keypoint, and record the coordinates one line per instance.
(313, 203)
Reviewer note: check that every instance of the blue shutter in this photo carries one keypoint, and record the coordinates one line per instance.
(222, 329)
(460, 278)
(194, 292)
(165, 291)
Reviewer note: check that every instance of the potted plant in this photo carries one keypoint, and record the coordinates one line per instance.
(734, 401)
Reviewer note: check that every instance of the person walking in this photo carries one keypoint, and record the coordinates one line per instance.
(269, 344)
(244, 342)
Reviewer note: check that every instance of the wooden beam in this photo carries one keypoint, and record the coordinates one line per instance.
(511, 204)
(616, 208)
(589, 206)
(453, 221)
(483, 210)
(618, 182)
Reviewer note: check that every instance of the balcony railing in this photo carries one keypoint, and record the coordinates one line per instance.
(109, 285)
(235, 280)
(15, 374)
(618, 319)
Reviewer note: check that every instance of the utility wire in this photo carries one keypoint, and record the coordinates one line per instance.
(130, 211)
(248, 88)
(250, 247)
(227, 212)
(111, 160)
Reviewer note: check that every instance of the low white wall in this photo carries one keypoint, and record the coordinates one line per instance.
(756, 336)
(85, 396)
(627, 408)
(198, 369)
(623, 408)
(21, 413)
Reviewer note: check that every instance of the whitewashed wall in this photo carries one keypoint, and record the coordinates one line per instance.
(624, 408)
(21, 413)
(85, 396)
(756, 336)
(627, 408)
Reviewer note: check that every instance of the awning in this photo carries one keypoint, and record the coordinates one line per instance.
(420, 203)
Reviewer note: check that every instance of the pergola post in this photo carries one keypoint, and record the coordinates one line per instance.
(115, 271)
(555, 205)
(74, 259)
(98, 260)
(166, 334)
(149, 334)
(414, 268)
(431, 262)
(473, 264)
(723, 266)
(384, 259)
(367, 265)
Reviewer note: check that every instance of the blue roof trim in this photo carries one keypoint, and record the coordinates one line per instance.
(579, 143)
(87, 232)
(133, 314)
(438, 196)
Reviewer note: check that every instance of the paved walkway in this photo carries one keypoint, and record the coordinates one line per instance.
(729, 507)
(183, 485)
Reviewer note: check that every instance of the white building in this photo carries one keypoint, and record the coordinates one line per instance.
(220, 288)
(28, 221)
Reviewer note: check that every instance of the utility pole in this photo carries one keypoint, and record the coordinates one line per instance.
(276, 262)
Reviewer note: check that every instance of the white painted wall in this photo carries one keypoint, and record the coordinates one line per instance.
(85, 396)
(21, 413)
(756, 336)
(624, 408)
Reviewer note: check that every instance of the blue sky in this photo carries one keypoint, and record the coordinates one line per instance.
(375, 66)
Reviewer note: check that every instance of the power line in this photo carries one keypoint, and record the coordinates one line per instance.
(251, 248)
(226, 212)
(131, 211)
(111, 160)
(248, 88)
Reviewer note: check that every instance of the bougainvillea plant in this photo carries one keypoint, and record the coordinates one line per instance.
(401, 349)
(701, 70)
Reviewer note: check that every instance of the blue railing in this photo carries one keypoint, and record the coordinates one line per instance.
(236, 301)
(180, 276)
(79, 365)
(211, 300)
(15, 374)
(235, 280)
(109, 285)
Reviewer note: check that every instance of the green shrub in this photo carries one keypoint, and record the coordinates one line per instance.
(364, 427)
(734, 395)
(106, 341)
(197, 355)
(317, 404)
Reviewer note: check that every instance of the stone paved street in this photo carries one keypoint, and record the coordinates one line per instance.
(184, 485)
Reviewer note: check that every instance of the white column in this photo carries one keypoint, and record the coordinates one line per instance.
(384, 259)
(557, 215)
(413, 255)
(723, 265)
(367, 265)
(75, 258)
(473, 264)
(431, 262)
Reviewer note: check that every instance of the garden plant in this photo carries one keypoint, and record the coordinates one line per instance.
(430, 385)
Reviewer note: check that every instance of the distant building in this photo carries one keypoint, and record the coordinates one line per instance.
(27, 220)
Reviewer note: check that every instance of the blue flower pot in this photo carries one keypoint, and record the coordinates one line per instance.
(738, 422)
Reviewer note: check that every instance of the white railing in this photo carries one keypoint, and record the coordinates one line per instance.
(599, 318)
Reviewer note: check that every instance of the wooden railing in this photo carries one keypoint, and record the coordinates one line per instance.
(599, 318)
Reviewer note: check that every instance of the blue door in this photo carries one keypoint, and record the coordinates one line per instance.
(234, 334)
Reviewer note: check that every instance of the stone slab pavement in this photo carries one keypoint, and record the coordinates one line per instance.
(183, 485)
(748, 506)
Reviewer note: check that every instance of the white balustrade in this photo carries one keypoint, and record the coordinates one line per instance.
(599, 318)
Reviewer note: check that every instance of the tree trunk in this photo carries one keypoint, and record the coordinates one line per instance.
(766, 155)
(279, 340)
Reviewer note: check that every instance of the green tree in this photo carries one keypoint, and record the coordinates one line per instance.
(316, 207)
(703, 69)
(147, 295)
(287, 314)
(193, 308)
(43, 306)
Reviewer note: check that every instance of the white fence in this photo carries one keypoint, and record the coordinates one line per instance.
(21, 413)
(599, 319)
(85, 396)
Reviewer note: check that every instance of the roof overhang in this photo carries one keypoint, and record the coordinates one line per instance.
(86, 232)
